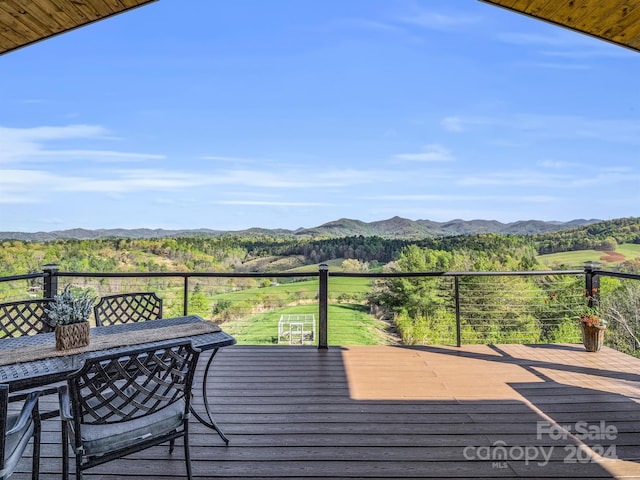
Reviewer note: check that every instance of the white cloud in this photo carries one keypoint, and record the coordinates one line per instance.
(23, 186)
(367, 24)
(514, 178)
(15, 199)
(105, 155)
(546, 180)
(131, 181)
(600, 49)
(453, 124)
(439, 21)
(616, 169)
(564, 44)
(536, 39)
(24, 144)
(221, 158)
(621, 131)
(296, 178)
(51, 133)
(273, 204)
(17, 185)
(557, 164)
(557, 66)
(431, 153)
(12, 177)
(465, 198)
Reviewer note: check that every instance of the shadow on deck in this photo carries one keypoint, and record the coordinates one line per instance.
(508, 411)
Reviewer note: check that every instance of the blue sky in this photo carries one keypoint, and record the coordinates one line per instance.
(232, 114)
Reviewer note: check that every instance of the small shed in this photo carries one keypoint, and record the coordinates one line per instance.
(297, 329)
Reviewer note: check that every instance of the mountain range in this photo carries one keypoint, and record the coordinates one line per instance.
(395, 227)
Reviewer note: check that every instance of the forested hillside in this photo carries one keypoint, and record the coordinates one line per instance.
(277, 253)
(601, 236)
(233, 254)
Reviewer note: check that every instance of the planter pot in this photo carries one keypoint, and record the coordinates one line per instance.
(74, 335)
(592, 337)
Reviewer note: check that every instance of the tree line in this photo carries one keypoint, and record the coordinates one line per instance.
(598, 236)
(229, 253)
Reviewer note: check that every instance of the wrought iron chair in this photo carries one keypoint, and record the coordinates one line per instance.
(127, 307)
(122, 403)
(17, 430)
(26, 317)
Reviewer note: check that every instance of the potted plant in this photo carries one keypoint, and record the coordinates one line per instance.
(69, 316)
(593, 328)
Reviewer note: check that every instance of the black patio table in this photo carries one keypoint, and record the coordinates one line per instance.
(46, 371)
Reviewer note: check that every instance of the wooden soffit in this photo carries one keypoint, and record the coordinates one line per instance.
(23, 22)
(615, 21)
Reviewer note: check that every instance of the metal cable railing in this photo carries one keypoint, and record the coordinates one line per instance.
(353, 307)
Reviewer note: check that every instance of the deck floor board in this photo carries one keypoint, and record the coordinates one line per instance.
(401, 413)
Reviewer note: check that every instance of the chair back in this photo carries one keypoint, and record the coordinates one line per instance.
(26, 317)
(128, 307)
(133, 384)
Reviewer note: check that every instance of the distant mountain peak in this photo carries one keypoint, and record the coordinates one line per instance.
(394, 227)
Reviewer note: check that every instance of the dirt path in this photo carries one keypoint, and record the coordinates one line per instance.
(612, 256)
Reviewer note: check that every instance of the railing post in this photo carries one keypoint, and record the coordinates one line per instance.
(50, 286)
(185, 302)
(323, 300)
(592, 283)
(457, 298)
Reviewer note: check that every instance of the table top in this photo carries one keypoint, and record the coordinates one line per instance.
(39, 373)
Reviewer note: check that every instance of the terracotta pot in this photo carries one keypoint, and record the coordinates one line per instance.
(74, 335)
(592, 337)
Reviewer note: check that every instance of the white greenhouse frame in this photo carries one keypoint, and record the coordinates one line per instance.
(297, 329)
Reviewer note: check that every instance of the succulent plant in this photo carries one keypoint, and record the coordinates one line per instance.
(67, 309)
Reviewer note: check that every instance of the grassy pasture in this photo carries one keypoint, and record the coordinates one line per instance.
(348, 325)
(629, 250)
(305, 288)
(302, 289)
(576, 259)
(251, 315)
(334, 265)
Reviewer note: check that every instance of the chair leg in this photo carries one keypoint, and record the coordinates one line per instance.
(78, 469)
(78, 466)
(172, 444)
(187, 454)
(65, 452)
(35, 468)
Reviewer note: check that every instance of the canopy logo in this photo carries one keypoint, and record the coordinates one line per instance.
(582, 450)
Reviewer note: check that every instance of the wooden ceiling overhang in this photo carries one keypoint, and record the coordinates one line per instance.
(615, 21)
(24, 22)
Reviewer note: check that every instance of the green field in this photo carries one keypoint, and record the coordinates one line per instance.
(348, 325)
(251, 315)
(304, 289)
(334, 265)
(576, 259)
(630, 250)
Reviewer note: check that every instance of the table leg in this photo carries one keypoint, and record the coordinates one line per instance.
(209, 421)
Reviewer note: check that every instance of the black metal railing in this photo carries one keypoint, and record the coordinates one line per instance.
(473, 306)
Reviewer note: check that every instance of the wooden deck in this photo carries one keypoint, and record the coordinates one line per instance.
(394, 412)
